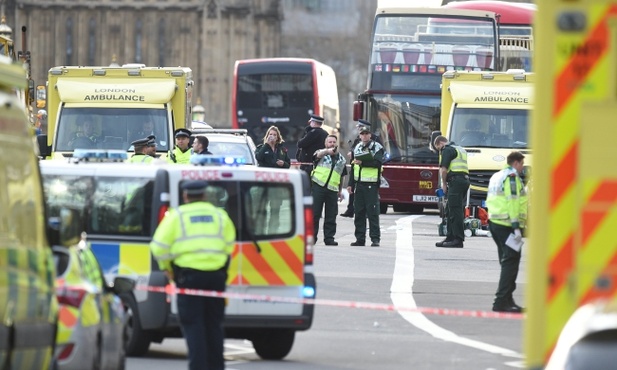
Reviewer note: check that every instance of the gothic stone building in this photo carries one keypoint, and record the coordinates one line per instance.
(206, 35)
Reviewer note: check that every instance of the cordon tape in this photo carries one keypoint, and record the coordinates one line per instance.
(170, 289)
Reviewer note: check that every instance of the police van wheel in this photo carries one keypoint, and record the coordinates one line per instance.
(274, 344)
(137, 339)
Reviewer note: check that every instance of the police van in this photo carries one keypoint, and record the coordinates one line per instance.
(272, 209)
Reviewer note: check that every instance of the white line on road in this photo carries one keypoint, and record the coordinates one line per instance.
(401, 293)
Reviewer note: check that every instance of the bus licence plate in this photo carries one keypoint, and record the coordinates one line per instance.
(425, 198)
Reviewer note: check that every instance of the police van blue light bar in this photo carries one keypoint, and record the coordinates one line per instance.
(211, 160)
(96, 155)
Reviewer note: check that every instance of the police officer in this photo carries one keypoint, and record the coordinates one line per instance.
(192, 245)
(313, 140)
(349, 212)
(507, 212)
(326, 187)
(144, 150)
(181, 154)
(368, 157)
(454, 175)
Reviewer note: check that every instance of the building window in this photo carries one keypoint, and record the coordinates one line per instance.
(91, 42)
(162, 43)
(69, 42)
(138, 36)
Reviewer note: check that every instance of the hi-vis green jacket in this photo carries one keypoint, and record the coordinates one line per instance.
(328, 171)
(178, 156)
(507, 199)
(197, 235)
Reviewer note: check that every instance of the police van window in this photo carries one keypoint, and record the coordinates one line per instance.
(268, 210)
(67, 191)
(122, 206)
(223, 195)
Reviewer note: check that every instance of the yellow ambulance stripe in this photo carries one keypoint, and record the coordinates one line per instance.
(567, 254)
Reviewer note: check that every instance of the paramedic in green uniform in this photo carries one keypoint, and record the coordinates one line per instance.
(454, 177)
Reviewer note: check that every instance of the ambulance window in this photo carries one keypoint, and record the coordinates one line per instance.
(268, 209)
(122, 206)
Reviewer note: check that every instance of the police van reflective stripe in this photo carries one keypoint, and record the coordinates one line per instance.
(272, 211)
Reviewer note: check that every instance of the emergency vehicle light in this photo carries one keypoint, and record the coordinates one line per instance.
(486, 76)
(308, 292)
(99, 72)
(210, 160)
(177, 73)
(97, 155)
(134, 72)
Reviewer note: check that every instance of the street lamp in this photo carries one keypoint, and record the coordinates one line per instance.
(199, 112)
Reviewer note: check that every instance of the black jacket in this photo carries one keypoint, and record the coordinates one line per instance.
(313, 140)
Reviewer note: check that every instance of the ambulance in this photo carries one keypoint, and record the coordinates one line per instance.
(488, 114)
(110, 107)
(571, 318)
(123, 204)
(28, 305)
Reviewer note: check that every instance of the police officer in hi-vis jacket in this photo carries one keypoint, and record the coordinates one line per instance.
(192, 244)
(326, 187)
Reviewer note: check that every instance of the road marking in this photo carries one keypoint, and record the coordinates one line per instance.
(401, 293)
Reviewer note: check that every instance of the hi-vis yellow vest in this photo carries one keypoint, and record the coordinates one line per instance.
(366, 174)
(197, 235)
(507, 199)
(180, 156)
(140, 158)
(328, 172)
(459, 164)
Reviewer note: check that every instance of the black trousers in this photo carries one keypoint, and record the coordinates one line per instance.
(509, 259)
(201, 318)
(328, 199)
(457, 191)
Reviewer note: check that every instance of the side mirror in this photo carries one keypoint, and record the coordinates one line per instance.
(431, 145)
(123, 285)
(65, 229)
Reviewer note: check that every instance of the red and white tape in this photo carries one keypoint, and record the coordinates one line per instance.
(169, 289)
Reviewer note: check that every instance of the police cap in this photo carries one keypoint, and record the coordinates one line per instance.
(194, 187)
(182, 132)
(316, 118)
(151, 140)
(364, 125)
(140, 142)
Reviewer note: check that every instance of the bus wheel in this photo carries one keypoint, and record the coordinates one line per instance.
(273, 344)
(137, 339)
(383, 208)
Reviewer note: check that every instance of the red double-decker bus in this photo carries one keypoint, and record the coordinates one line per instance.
(515, 22)
(283, 92)
(410, 49)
